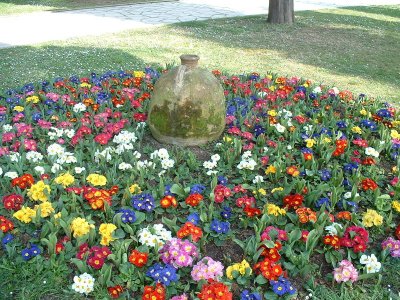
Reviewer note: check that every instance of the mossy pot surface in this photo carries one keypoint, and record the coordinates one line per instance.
(188, 106)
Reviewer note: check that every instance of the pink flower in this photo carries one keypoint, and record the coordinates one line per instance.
(394, 181)
(30, 145)
(345, 272)
(8, 137)
(181, 297)
(44, 124)
(207, 268)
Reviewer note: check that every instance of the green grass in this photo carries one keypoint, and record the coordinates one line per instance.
(354, 48)
(26, 6)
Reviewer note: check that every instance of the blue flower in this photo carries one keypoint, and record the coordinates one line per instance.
(128, 216)
(26, 254)
(7, 239)
(301, 89)
(193, 218)
(163, 274)
(312, 96)
(325, 174)
(258, 129)
(350, 167)
(222, 180)
(323, 201)
(246, 295)
(197, 189)
(219, 226)
(371, 125)
(341, 124)
(143, 202)
(384, 113)
(279, 288)
(226, 212)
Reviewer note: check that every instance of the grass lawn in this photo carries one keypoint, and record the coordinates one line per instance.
(26, 6)
(355, 48)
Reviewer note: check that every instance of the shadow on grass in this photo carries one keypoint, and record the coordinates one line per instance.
(340, 43)
(381, 10)
(44, 63)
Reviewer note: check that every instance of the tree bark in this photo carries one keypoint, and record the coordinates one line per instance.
(281, 12)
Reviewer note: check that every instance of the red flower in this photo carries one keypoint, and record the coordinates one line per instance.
(293, 201)
(190, 229)
(340, 147)
(23, 181)
(95, 262)
(332, 240)
(139, 259)
(5, 224)
(221, 192)
(139, 117)
(194, 199)
(13, 202)
(397, 232)
(154, 293)
(368, 184)
(214, 290)
(115, 291)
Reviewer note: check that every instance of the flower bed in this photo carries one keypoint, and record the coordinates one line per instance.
(303, 175)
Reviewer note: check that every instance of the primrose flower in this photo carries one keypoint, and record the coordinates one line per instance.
(371, 218)
(345, 272)
(275, 210)
(371, 263)
(241, 268)
(83, 284)
(106, 230)
(25, 214)
(65, 179)
(206, 269)
(39, 191)
(96, 179)
(80, 227)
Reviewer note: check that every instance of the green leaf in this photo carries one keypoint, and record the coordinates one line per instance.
(294, 235)
(178, 190)
(260, 280)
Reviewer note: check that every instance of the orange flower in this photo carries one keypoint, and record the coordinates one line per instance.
(346, 215)
(139, 259)
(307, 156)
(293, 170)
(168, 201)
(190, 229)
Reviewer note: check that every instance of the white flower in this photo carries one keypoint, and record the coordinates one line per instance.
(163, 153)
(161, 173)
(317, 90)
(137, 155)
(333, 228)
(55, 149)
(124, 166)
(209, 164)
(55, 168)
(39, 169)
(211, 172)
(141, 125)
(218, 145)
(280, 128)
(80, 107)
(215, 157)
(258, 179)
(1, 171)
(69, 133)
(246, 155)
(371, 151)
(7, 127)
(289, 147)
(167, 163)
(83, 284)
(248, 164)
(335, 90)
(14, 156)
(79, 170)
(11, 174)
(34, 156)
(125, 137)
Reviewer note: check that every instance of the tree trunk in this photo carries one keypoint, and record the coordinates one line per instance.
(281, 11)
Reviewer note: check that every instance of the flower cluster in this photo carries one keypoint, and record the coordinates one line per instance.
(30, 252)
(164, 274)
(153, 236)
(215, 290)
(80, 227)
(206, 269)
(137, 258)
(242, 268)
(189, 229)
(143, 202)
(282, 286)
(83, 284)
(95, 256)
(371, 218)
(393, 246)
(106, 230)
(372, 265)
(178, 253)
(154, 293)
(345, 272)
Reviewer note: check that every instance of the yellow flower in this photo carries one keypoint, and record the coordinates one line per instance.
(65, 179)
(356, 129)
(272, 113)
(396, 123)
(138, 74)
(238, 267)
(18, 108)
(262, 191)
(80, 227)
(275, 210)
(227, 139)
(326, 140)
(270, 170)
(86, 85)
(394, 134)
(272, 88)
(25, 214)
(39, 191)
(310, 143)
(371, 218)
(45, 209)
(57, 215)
(363, 112)
(276, 189)
(135, 189)
(106, 230)
(97, 179)
(33, 99)
(396, 205)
